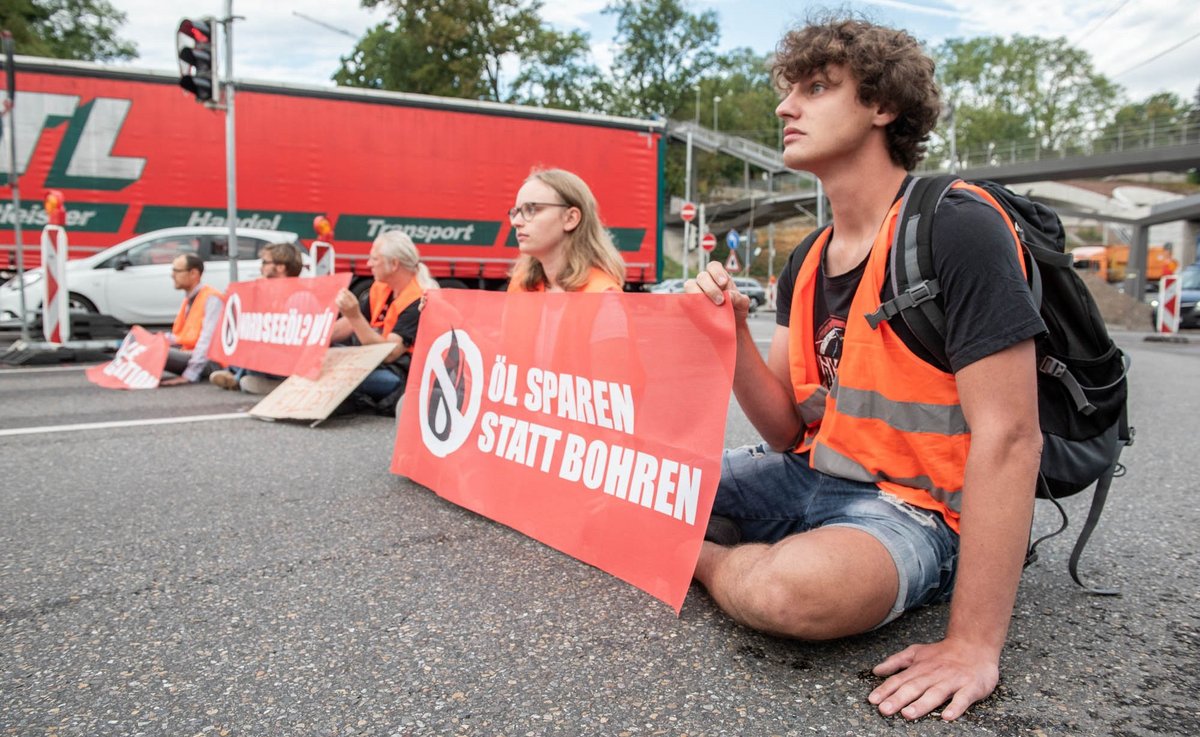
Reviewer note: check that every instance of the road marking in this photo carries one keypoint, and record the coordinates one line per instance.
(125, 423)
(47, 369)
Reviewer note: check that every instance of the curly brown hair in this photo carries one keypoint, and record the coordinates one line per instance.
(889, 65)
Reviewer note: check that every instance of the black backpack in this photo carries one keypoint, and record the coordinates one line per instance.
(1081, 373)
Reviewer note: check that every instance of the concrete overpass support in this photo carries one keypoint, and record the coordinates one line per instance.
(1135, 269)
(1186, 253)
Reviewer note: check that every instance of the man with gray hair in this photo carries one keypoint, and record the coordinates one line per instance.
(388, 312)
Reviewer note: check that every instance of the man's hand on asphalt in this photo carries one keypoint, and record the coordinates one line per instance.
(174, 381)
(716, 282)
(923, 677)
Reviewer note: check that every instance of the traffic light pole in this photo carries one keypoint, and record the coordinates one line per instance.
(230, 144)
(13, 176)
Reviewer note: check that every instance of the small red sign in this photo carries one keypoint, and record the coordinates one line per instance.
(708, 242)
(687, 212)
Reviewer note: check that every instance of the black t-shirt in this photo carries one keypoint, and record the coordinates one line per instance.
(985, 296)
(406, 322)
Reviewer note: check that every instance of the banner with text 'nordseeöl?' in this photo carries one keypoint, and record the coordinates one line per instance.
(591, 422)
(278, 326)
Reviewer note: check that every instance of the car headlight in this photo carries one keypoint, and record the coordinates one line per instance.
(29, 278)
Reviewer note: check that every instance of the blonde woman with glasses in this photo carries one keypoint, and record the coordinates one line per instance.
(564, 247)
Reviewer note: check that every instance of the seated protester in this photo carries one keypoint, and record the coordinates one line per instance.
(279, 260)
(563, 244)
(566, 249)
(388, 313)
(195, 324)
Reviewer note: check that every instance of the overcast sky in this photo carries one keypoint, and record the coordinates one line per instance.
(1130, 40)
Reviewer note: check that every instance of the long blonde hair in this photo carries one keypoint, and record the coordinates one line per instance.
(397, 246)
(588, 245)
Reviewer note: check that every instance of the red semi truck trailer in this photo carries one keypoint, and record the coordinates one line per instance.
(132, 152)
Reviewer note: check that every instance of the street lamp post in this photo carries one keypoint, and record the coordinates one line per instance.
(696, 87)
(716, 109)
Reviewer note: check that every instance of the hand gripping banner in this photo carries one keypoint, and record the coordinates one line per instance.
(591, 422)
(138, 364)
(278, 326)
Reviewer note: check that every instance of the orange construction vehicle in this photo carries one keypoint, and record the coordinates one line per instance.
(1110, 262)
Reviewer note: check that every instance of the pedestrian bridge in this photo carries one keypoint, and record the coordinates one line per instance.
(1129, 152)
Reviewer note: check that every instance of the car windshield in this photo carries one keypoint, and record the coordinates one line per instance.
(1190, 279)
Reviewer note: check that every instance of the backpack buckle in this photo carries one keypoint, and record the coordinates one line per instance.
(922, 292)
(915, 295)
(1052, 366)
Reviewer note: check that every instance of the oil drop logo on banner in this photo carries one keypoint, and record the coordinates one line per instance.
(559, 416)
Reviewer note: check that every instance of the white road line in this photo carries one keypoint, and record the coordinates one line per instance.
(47, 369)
(125, 423)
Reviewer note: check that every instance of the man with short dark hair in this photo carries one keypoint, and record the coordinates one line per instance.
(195, 324)
(884, 482)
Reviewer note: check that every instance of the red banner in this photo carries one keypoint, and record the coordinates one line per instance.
(138, 364)
(278, 326)
(591, 422)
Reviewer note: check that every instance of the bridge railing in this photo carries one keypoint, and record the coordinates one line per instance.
(1124, 139)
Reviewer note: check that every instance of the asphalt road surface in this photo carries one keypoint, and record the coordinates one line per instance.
(235, 577)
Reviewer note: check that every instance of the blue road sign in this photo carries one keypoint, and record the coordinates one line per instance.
(732, 240)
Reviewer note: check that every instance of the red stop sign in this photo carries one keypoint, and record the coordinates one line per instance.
(708, 242)
(687, 211)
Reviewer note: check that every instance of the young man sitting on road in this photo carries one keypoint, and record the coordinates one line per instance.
(884, 483)
(279, 260)
(195, 324)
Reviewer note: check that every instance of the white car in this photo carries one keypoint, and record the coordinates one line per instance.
(132, 280)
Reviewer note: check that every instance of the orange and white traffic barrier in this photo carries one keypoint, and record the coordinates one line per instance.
(56, 319)
(1169, 293)
(321, 249)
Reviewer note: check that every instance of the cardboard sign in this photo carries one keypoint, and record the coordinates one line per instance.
(278, 326)
(342, 371)
(138, 364)
(591, 422)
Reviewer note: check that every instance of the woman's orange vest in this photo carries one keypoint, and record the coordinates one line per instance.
(598, 280)
(890, 418)
(384, 320)
(190, 319)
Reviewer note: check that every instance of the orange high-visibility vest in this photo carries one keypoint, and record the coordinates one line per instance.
(384, 320)
(890, 417)
(190, 319)
(598, 280)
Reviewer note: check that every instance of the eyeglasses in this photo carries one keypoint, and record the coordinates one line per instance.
(528, 209)
(269, 263)
(180, 271)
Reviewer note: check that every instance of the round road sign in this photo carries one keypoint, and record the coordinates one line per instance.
(708, 242)
(687, 212)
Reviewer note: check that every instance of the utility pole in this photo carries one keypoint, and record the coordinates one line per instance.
(10, 110)
(230, 144)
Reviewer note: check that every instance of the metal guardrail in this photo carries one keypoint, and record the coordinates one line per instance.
(764, 157)
(1125, 139)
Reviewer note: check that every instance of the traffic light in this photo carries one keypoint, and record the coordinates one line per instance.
(194, 43)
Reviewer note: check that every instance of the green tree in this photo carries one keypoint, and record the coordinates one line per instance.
(555, 72)
(458, 48)
(1037, 91)
(662, 50)
(1159, 118)
(83, 30)
(742, 79)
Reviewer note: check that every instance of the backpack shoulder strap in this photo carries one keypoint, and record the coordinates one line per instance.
(800, 252)
(914, 282)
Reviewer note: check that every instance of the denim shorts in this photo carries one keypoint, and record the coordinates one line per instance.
(773, 495)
